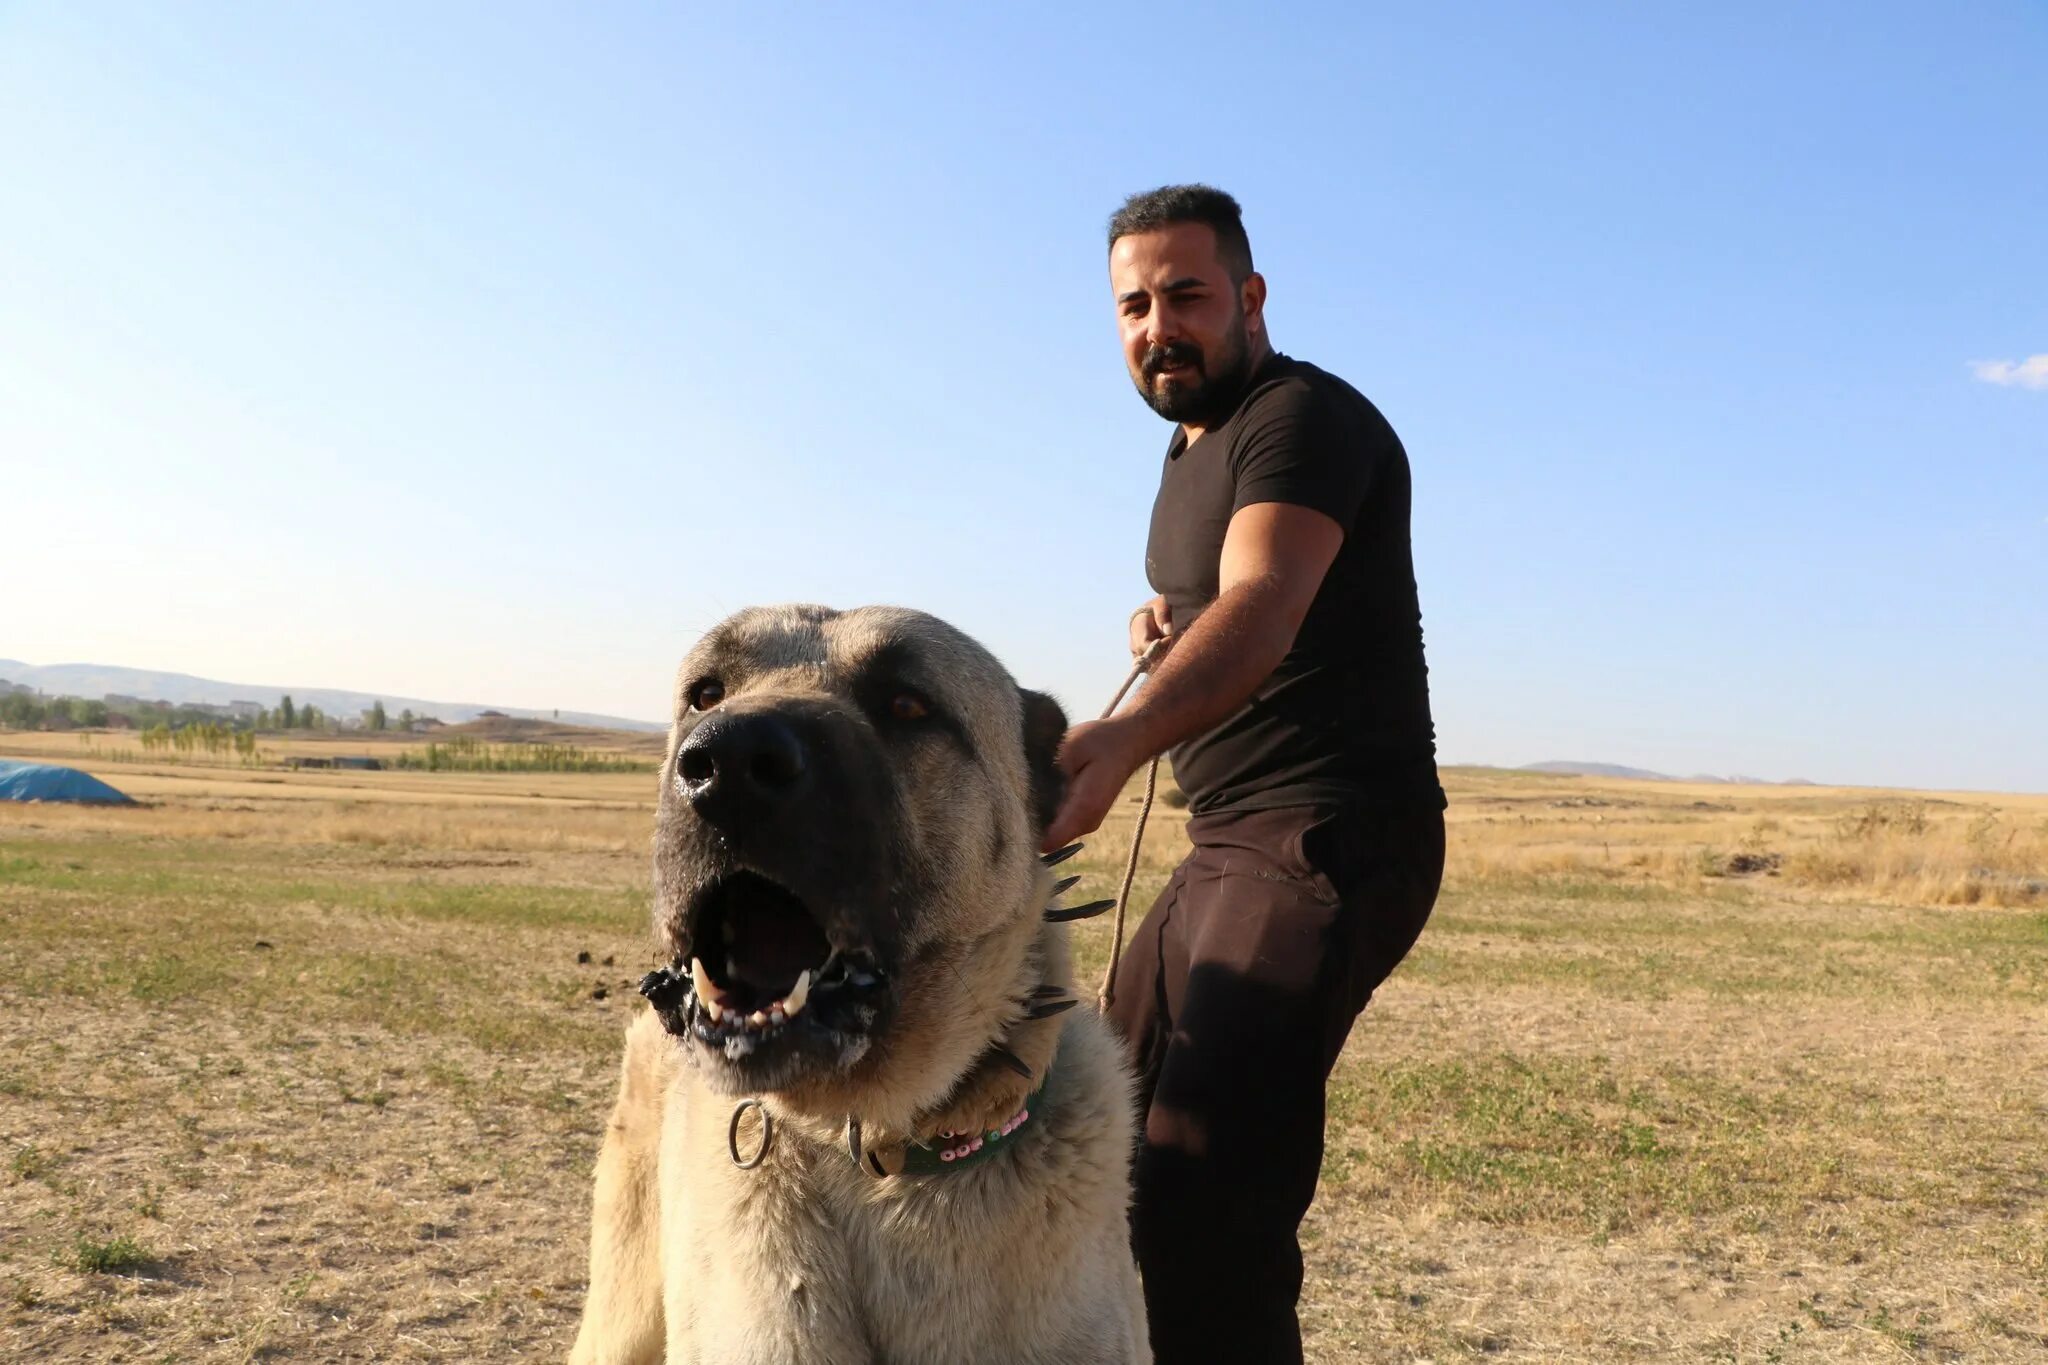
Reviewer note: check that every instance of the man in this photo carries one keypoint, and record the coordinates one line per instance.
(1293, 697)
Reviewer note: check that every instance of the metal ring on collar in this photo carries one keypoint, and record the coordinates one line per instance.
(732, 1134)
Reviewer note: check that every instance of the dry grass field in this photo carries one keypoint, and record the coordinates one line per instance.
(312, 1067)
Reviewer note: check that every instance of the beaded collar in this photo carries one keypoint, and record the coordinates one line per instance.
(952, 1151)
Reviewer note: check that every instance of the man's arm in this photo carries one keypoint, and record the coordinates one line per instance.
(1275, 555)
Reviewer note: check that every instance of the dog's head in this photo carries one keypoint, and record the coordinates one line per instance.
(846, 854)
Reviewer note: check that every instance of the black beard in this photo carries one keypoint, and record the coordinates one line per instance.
(1211, 397)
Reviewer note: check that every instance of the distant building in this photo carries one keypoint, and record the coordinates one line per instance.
(245, 710)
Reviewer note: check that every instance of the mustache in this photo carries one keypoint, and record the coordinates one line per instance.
(1158, 358)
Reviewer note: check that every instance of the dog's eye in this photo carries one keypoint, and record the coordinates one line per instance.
(908, 706)
(706, 694)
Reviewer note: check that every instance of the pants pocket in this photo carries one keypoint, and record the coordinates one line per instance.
(1314, 853)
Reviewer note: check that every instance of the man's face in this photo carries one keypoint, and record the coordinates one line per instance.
(1186, 328)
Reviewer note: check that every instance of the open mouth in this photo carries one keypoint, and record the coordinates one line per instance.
(760, 965)
(757, 948)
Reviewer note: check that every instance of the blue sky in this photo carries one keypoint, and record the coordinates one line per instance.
(492, 351)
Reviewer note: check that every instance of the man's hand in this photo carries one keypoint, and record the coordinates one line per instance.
(1153, 621)
(1098, 757)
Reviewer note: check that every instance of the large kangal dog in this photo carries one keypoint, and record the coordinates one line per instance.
(860, 1124)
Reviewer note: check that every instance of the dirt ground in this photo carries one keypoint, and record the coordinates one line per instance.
(312, 1066)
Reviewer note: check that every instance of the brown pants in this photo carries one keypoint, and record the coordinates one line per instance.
(1236, 995)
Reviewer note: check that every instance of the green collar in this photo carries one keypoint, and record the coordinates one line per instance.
(952, 1154)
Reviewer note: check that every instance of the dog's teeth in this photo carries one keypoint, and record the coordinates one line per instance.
(793, 1003)
(776, 1016)
(758, 1019)
(706, 991)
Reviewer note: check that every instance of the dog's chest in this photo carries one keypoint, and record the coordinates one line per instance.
(824, 1265)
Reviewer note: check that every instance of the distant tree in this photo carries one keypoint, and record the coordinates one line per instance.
(405, 719)
(20, 711)
(377, 715)
(309, 717)
(285, 719)
(92, 713)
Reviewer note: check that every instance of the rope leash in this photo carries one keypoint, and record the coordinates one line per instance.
(1106, 996)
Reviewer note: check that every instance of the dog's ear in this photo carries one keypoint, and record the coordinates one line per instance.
(1045, 725)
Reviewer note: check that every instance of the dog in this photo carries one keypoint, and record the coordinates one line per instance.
(861, 1124)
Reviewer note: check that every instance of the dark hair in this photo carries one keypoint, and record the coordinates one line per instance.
(1171, 204)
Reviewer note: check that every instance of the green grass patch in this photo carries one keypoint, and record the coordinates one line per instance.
(1582, 1144)
(28, 1162)
(104, 1256)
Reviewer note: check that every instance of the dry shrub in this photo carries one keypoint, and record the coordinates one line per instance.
(1900, 851)
(1990, 851)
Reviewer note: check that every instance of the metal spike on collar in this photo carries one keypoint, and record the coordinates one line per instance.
(1056, 858)
(1046, 1009)
(1066, 884)
(1011, 1060)
(1063, 914)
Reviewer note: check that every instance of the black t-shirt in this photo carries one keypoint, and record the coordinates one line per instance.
(1346, 714)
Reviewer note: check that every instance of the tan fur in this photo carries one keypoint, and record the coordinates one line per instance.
(1023, 1259)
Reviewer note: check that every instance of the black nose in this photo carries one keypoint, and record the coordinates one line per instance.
(735, 769)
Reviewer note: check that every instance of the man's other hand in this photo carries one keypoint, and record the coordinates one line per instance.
(1153, 621)
(1098, 757)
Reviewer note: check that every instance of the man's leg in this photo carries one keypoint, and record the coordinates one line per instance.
(1280, 953)
(1140, 1007)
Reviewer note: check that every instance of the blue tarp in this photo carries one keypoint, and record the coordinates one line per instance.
(48, 782)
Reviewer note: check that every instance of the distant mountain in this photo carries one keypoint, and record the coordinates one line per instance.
(1573, 768)
(93, 681)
